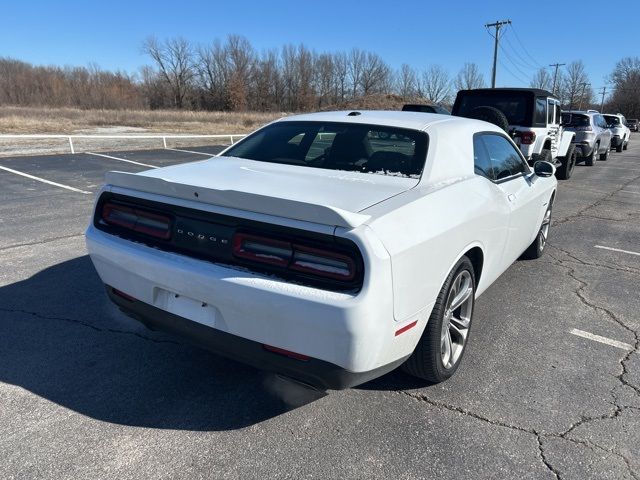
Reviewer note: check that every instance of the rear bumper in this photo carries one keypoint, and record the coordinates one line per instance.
(316, 373)
(583, 149)
(351, 331)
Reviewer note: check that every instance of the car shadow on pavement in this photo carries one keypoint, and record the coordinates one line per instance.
(62, 339)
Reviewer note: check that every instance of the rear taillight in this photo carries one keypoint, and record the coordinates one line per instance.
(141, 221)
(263, 250)
(323, 263)
(317, 262)
(527, 138)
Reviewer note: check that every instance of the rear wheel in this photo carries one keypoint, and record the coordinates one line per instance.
(625, 145)
(568, 162)
(440, 349)
(536, 249)
(619, 147)
(590, 159)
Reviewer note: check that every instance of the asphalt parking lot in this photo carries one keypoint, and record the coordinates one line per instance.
(549, 386)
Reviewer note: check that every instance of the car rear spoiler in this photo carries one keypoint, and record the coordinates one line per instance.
(281, 207)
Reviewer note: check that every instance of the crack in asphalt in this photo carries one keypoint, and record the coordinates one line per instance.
(52, 239)
(89, 325)
(574, 259)
(580, 212)
(531, 431)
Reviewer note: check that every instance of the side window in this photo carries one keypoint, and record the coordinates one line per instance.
(558, 113)
(540, 116)
(481, 161)
(505, 159)
(550, 112)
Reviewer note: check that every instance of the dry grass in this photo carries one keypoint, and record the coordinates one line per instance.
(18, 120)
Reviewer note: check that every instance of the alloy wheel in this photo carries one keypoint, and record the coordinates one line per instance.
(457, 319)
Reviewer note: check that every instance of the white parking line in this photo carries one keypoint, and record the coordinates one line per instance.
(32, 177)
(629, 191)
(190, 151)
(616, 250)
(121, 159)
(598, 338)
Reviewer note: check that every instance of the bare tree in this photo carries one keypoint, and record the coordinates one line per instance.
(626, 87)
(175, 61)
(576, 90)
(355, 67)
(406, 81)
(376, 74)
(542, 79)
(469, 77)
(435, 84)
(341, 75)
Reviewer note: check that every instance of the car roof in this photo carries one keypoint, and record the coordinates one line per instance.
(389, 118)
(536, 91)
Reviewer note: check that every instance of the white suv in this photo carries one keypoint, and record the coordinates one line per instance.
(619, 131)
(530, 115)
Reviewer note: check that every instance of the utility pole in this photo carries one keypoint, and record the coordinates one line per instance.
(497, 25)
(604, 92)
(584, 87)
(555, 74)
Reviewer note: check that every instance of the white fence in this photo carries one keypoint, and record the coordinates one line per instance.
(70, 138)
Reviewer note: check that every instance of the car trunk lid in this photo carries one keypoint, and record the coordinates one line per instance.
(330, 197)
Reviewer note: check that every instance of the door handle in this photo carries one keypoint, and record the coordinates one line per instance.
(511, 197)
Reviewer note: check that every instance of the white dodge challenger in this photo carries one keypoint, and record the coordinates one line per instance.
(330, 247)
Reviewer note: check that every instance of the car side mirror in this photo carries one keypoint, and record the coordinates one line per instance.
(544, 169)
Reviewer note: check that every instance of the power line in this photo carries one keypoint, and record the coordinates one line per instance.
(497, 25)
(515, 33)
(515, 65)
(521, 59)
(517, 77)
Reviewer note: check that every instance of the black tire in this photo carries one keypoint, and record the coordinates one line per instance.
(604, 156)
(589, 161)
(544, 155)
(536, 249)
(491, 115)
(568, 162)
(426, 361)
(625, 145)
(619, 147)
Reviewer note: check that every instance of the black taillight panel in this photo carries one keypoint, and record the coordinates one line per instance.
(295, 255)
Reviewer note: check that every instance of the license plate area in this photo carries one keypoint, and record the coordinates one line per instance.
(186, 307)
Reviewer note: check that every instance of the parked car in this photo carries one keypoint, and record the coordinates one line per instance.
(592, 137)
(632, 123)
(418, 107)
(619, 130)
(530, 115)
(323, 251)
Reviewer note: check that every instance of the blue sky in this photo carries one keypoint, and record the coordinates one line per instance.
(419, 33)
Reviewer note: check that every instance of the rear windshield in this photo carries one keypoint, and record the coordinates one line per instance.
(612, 119)
(575, 120)
(338, 146)
(512, 104)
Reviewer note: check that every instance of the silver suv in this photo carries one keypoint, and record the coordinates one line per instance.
(621, 133)
(592, 135)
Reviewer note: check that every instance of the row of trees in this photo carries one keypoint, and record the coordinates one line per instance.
(26, 85)
(232, 75)
(229, 75)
